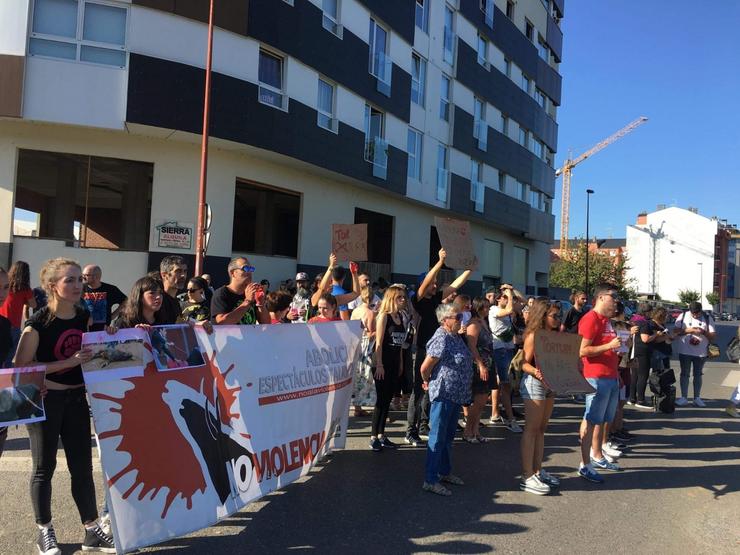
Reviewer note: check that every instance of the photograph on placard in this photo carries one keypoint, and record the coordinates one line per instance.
(20, 395)
(123, 350)
(175, 347)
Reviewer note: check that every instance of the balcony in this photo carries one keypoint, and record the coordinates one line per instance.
(477, 195)
(376, 152)
(443, 180)
(381, 67)
(480, 132)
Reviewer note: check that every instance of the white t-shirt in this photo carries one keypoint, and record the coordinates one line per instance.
(499, 326)
(684, 344)
(358, 301)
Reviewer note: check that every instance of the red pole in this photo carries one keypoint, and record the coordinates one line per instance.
(200, 237)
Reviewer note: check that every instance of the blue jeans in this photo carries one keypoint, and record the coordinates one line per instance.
(601, 407)
(442, 425)
(502, 361)
(686, 361)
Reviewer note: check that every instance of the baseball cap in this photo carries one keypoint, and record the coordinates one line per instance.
(301, 276)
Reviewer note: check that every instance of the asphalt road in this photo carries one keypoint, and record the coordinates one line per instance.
(678, 493)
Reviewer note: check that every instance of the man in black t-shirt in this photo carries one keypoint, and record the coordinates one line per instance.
(239, 302)
(426, 301)
(575, 312)
(174, 273)
(100, 297)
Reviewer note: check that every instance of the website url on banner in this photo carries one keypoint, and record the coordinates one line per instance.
(272, 399)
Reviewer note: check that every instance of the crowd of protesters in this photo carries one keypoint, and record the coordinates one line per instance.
(425, 348)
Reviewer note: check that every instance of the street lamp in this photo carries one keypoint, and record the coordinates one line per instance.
(701, 282)
(589, 192)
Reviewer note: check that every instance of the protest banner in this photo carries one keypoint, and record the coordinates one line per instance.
(456, 239)
(20, 395)
(184, 448)
(557, 356)
(349, 241)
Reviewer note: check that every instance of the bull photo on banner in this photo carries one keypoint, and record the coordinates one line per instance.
(183, 448)
(20, 395)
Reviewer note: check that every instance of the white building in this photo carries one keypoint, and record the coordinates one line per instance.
(670, 250)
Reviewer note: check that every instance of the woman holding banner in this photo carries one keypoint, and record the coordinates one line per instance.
(142, 304)
(53, 336)
(538, 401)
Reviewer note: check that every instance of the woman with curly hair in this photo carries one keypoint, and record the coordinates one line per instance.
(20, 295)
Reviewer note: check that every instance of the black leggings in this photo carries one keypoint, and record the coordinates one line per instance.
(639, 380)
(385, 389)
(68, 418)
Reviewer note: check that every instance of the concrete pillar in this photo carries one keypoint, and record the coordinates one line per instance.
(135, 209)
(60, 210)
(8, 158)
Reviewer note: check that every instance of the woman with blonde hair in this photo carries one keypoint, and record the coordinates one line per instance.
(390, 333)
(53, 337)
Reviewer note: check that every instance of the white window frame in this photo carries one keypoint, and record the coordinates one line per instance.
(486, 6)
(331, 23)
(448, 36)
(382, 68)
(378, 140)
(282, 92)
(444, 101)
(416, 156)
(421, 81)
(523, 137)
(526, 84)
(483, 56)
(540, 97)
(333, 122)
(480, 127)
(443, 173)
(424, 6)
(502, 182)
(78, 41)
(477, 188)
(542, 49)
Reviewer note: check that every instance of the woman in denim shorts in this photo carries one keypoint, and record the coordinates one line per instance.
(538, 401)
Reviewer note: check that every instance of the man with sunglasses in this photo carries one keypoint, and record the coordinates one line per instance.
(599, 345)
(239, 302)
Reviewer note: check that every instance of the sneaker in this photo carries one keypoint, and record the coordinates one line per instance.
(424, 432)
(385, 442)
(483, 439)
(699, 403)
(460, 427)
(376, 444)
(97, 540)
(533, 484)
(623, 435)
(548, 478)
(589, 473)
(610, 450)
(732, 411)
(436, 488)
(47, 542)
(605, 455)
(512, 426)
(496, 420)
(470, 439)
(614, 443)
(682, 402)
(105, 523)
(629, 403)
(643, 405)
(452, 479)
(604, 464)
(414, 440)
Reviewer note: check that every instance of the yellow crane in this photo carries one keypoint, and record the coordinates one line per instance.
(567, 171)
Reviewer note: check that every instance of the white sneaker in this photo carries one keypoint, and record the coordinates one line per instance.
(605, 454)
(533, 484)
(699, 403)
(609, 450)
(513, 426)
(682, 402)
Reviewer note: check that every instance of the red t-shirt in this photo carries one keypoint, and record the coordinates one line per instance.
(320, 319)
(599, 330)
(12, 308)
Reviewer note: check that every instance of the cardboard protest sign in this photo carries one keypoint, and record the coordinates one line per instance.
(557, 357)
(20, 395)
(183, 448)
(456, 239)
(349, 241)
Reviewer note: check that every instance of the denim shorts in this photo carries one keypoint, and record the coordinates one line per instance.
(533, 389)
(601, 407)
(502, 360)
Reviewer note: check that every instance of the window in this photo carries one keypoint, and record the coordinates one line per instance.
(449, 36)
(477, 188)
(326, 106)
(523, 137)
(538, 149)
(330, 20)
(536, 200)
(480, 127)
(443, 175)
(526, 83)
(482, 51)
(520, 267)
(539, 97)
(505, 125)
(418, 79)
(523, 192)
(507, 65)
(491, 263)
(444, 99)
(422, 15)
(265, 220)
(376, 148)
(529, 30)
(380, 63)
(414, 148)
(82, 31)
(486, 7)
(548, 205)
(502, 182)
(543, 50)
(270, 74)
(546, 3)
(510, 9)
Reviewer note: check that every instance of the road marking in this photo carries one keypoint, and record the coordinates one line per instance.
(24, 464)
(732, 379)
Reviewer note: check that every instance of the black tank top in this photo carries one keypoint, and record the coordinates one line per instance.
(395, 334)
(58, 340)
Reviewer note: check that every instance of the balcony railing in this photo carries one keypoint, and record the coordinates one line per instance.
(381, 68)
(477, 195)
(449, 46)
(480, 132)
(376, 152)
(443, 179)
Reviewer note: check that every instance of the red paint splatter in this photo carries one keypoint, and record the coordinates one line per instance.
(168, 462)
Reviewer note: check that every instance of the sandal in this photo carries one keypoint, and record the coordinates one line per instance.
(436, 488)
(471, 439)
(452, 479)
(482, 439)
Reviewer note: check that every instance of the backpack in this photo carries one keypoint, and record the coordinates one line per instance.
(665, 403)
(664, 392)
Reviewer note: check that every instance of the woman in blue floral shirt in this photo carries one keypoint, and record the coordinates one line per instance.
(448, 370)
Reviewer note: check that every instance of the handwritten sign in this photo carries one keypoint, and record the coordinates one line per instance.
(456, 239)
(349, 241)
(557, 356)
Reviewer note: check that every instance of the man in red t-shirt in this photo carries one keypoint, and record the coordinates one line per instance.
(599, 346)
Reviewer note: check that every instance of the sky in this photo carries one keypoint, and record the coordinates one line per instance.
(676, 62)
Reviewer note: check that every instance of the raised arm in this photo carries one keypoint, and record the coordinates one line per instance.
(431, 276)
(324, 280)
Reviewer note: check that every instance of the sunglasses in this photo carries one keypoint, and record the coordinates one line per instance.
(248, 269)
(458, 316)
(194, 290)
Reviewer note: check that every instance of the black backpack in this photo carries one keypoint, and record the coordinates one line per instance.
(664, 392)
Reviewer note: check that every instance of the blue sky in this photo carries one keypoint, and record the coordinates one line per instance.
(676, 62)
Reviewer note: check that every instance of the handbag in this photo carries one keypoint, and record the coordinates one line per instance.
(733, 350)
(713, 350)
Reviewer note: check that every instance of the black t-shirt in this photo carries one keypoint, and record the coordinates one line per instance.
(428, 324)
(99, 303)
(572, 317)
(58, 340)
(169, 312)
(6, 341)
(647, 327)
(225, 300)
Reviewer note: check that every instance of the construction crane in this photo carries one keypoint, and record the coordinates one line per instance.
(567, 171)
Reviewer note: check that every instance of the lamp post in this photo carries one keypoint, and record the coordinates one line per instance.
(589, 192)
(701, 282)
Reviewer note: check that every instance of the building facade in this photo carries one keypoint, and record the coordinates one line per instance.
(322, 111)
(726, 271)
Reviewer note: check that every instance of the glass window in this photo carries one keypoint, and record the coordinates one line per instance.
(104, 24)
(486, 6)
(449, 36)
(442, 173)
(482, 50)
(325, 106)
(330, 19)
(523, 137)
(539, 97)
(55, 17)
(510, 9)
(543, 50)
(502, 182)
(444, 99)
(523, 192)
(519, 267)
(418, 79)
(526, 83)
(505, 126)
(477, 189)
(507, 65)
(422, 15)
(376, 149)
(529, 30)
(538, 148)
(492, 251)
(379, 60)
(270, 74)
(414, 148)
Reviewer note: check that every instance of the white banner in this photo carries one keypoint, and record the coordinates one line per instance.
(185, 447)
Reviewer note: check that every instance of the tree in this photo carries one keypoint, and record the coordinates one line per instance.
(688, 296)
(712, 298)
(570, 271)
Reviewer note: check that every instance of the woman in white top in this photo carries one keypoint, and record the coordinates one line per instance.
(695, 330)
(500, 320)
